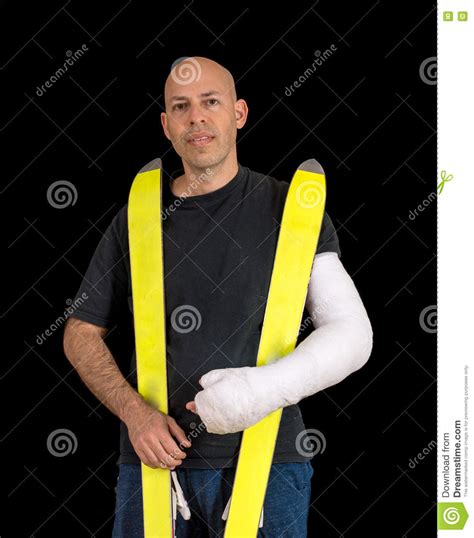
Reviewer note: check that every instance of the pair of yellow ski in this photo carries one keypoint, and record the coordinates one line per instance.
(296, 248)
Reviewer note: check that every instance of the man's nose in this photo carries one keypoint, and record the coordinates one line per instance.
(196, 115)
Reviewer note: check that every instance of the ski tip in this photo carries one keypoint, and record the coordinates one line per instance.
(155, 164)
(311, 165)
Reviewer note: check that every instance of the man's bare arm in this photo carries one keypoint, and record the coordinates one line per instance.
(149, 429)
(86, 350)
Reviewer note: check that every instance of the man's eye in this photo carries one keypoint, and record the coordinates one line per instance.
(212, 102)
(179, 106)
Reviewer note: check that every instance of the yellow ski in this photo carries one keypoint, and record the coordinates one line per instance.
(146, 264)
(296, 248)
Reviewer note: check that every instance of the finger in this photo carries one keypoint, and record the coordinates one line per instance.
(164, 465)
(158, 463)
(171, 448)
(191, 406)
(149, 458)
(178, 432)
(157, 455)
(168, 456)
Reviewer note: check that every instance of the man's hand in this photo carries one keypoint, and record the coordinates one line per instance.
(150, 433)
(234, 399)
(149, 430)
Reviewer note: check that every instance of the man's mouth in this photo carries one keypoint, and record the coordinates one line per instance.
(200, 139)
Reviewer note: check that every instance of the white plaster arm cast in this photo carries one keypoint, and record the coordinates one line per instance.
(234, 399)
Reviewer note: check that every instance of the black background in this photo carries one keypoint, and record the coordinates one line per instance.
(366, 115)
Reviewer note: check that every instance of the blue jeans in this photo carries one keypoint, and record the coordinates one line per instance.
(207, 491)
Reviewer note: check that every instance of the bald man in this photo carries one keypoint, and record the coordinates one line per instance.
(220, 230)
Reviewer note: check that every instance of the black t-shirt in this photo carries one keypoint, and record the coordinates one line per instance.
(219, 250)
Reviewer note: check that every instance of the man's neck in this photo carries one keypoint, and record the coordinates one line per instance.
(197, 181)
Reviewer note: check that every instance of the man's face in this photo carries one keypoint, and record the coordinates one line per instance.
(202, 118)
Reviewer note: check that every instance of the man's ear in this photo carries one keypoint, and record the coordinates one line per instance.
(164, 123)
(241, 113)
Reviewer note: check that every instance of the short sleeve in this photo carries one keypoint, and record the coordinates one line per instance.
(328, 240)
(102, 295)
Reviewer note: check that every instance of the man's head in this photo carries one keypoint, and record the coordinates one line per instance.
(200, 100)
